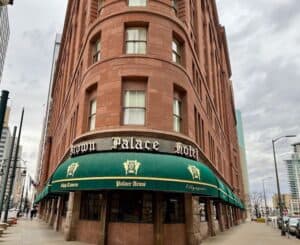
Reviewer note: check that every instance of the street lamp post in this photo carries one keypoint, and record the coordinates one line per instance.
(277, 180)
(265, 198)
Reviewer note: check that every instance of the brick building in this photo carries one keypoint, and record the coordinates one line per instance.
(141, 144)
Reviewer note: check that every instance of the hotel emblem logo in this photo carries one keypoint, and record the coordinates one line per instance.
(194, 171)
(131, 167)
(72, 169)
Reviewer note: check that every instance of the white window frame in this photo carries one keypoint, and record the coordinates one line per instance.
(137, 3)
(136, 42)
(92, 115)
(177, 115)
(96, 51)
(137, 107)
(177, 53)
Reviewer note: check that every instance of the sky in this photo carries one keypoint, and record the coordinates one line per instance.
(263, 40)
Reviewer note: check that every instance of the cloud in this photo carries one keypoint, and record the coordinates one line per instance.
(265, 57)
(264, 53)
(27, 66)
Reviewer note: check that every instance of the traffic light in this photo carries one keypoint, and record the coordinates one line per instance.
(6, 2)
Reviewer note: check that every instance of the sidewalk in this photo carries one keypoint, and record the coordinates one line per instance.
(34, 232)
(251, 233)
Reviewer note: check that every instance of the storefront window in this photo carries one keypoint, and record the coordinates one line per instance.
(65, 199)
(90, 206)
(203, 212)
(215, 213)
(173, 209)
(131, 207)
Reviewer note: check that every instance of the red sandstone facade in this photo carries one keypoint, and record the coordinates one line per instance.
(200, 80)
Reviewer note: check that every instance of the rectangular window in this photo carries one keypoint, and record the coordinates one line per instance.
(134, 107)
(136, 40)
(92, 114)
(96, 51)
(131, 207)
(175, 6)
(90, 206)
(173, 209)
(137, 3)
(177, 115)
(176, 51)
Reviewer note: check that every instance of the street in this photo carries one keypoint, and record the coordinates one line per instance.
(36, 232)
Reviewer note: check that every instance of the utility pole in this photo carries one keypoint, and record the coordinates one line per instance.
(12, 178)
(266, 211)
(6, 172)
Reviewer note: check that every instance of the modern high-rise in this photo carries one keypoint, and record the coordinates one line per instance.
(48, 106)
(293, 170)
(5, 148)
(141, 144)
(4, 36)
(243, 159)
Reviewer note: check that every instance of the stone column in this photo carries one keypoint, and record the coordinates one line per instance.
(103, 225)
(225, 216)
(41, 210)
(196, 221)
(211, 223)
(58, 214)
(53, 211)
(49, 205)
(158, 219)
(188, 205)
(72, 216)
(220, 216)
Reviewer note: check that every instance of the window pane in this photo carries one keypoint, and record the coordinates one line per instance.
(134, 99)
(136, 47)
(90, 206)
(176, 51)
(177, 107)
(176, 124)
(173, 209)
(96, 51)
(134, 3)
(175, 46)
(174, 57)
(136, 34)
(131, 207)
(134, 116)
(92, 123)
(93, 107)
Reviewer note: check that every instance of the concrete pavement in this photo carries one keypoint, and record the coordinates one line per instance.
(34, 232)
(251, 233)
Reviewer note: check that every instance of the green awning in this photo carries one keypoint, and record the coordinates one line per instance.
(134, 171)
(223, 195)
(45, 192)
(231, 196)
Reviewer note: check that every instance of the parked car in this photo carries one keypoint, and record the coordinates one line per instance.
(297, 233)
(292, 224)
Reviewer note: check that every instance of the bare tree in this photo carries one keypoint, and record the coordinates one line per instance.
(256, 201)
